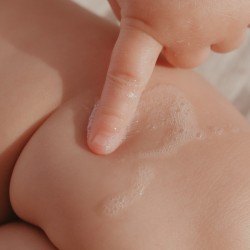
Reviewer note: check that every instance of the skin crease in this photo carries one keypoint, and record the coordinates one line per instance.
(183, 30)
(20, 236)
(195, 198)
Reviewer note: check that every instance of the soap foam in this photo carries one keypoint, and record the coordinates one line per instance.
(115, 205)
(132, 95)
(216, 130)
(223, 130)
(200, 135)
(143, 178)
(172, 113)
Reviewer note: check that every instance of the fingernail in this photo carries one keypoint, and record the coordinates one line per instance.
(105, 143)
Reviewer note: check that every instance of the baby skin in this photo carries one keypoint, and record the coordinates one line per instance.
(180, 180)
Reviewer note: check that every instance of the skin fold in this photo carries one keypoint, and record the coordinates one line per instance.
(22, 236)
(180, 180)
(184, 31)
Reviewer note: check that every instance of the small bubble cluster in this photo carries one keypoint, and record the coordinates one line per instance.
(200, 135)
(132, 95)
(176, 115)
(219, 131)
(143, 178)
(116, 204)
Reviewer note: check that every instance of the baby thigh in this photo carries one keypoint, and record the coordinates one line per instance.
(193, 195)
(20, 236)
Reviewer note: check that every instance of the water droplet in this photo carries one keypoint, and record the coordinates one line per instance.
(200, 135)
(132, 95)
(219, 131)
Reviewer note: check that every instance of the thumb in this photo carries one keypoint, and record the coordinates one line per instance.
(132, 63)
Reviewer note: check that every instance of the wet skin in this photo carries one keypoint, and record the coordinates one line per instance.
(180, 179)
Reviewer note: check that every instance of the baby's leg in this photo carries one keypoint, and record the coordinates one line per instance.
(180, 180)
(46, 54)
(21, 236)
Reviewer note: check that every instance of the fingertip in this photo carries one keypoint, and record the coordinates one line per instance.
(131, 66)
(103, 143)
(105, 133)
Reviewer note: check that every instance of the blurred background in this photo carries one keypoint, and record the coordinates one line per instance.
(229, 73)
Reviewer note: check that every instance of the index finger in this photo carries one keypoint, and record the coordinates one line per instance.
(132, 63)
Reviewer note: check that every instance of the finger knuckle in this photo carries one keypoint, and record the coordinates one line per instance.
(122, 81)
(112, 116)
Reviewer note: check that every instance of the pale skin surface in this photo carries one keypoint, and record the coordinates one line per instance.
(196, 197)
(183, 30)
